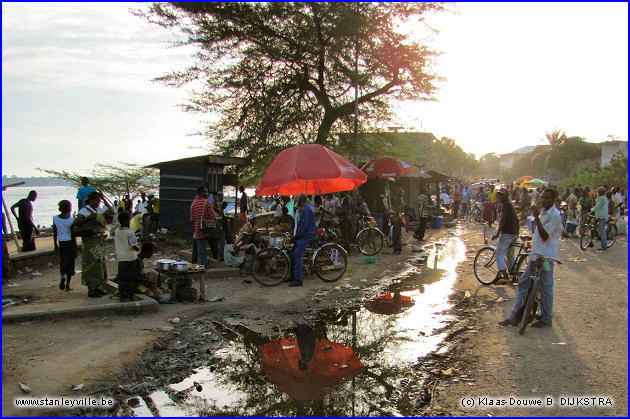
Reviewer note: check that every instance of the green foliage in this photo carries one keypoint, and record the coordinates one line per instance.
(114, 180)
(489, 165)
(615, 174)
(555, 138)
(280, 74)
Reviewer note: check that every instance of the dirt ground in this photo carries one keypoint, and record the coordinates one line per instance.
(584, 354)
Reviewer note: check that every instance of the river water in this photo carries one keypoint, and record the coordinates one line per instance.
(45, 206)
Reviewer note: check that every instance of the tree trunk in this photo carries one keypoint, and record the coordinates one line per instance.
(325, 127)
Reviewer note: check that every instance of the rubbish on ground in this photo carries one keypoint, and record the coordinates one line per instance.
(20, 272)
(499, 299)
(216, 298)
(558, 343)
(370, 259)
(28, 269)
(167, 328)
(448, 371)
(197, 386)
(50, 264)
(174, 320)
(467, 294)
(348, 286)
(13, 285)
(206, 334)
(364, 281)
(77, 387)
(24, 387)
(578, 260)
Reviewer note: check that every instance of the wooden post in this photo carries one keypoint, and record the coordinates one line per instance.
(6, 211)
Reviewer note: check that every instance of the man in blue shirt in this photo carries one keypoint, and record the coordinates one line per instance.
(84, 191)
(304, 234)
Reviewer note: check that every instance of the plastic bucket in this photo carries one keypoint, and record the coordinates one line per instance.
(571, 227)
(437, 222)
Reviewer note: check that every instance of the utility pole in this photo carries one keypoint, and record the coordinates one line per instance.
(356, 95)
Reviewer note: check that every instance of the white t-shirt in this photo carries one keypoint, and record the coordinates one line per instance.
(445, 198)
(123, 239)
(63, 228)
(87, 210)
(142, 208)
(552, 223)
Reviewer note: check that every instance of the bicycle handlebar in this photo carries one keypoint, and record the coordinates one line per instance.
(547, 258)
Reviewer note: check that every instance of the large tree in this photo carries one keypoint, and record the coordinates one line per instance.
(279, 74)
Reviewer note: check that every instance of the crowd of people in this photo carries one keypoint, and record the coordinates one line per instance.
(300, 216)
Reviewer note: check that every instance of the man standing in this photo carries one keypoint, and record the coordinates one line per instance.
(601, 214)
(546, 243)
(199, 209)
(25, 221)
(304, 234)
(423, 213)
(83, 192)
(456, 194)
(507, 234)
(465, 201)
(243, 205)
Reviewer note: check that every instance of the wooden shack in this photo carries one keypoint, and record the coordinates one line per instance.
(179, 180)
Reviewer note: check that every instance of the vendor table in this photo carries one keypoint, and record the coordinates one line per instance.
(191, 274)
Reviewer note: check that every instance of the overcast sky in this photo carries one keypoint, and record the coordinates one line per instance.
(76, 86)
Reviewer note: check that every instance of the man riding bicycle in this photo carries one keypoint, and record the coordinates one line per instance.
(507, 233)
(546, 243)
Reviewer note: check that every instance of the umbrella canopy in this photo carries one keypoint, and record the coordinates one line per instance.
(310, 169)
(390, 304)
(534, 183)
(388, 167)
(331, 364)
(522, 180)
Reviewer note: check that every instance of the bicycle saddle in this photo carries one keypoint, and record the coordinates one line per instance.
(526, 238)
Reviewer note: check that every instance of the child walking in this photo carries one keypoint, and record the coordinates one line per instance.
(65, 243)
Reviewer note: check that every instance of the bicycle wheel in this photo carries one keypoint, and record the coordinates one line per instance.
(587, 238)
(484, 266)
(330, 262)
(530, 306)
(611, 234)
(520, 267)
(370, 241)
(271, 266)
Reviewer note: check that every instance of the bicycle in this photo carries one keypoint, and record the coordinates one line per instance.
(273, 265)
(475, 215)
(592, 232)
(485, 267)
(531, 303)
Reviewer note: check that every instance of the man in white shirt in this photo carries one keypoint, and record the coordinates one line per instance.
(142, 205)
(546, 243)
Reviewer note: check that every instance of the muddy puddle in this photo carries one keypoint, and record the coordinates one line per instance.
(352, 361)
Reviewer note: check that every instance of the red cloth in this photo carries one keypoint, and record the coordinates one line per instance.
(199, 209)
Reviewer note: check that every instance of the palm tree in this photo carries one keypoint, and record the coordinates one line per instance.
(556, 137)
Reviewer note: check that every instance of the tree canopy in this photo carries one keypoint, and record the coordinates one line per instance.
(279, 74)
(114, 180)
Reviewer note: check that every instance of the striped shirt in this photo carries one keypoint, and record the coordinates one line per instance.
(199, 209)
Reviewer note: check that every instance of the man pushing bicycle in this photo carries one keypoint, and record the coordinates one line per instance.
(546, 243)
(507, 234)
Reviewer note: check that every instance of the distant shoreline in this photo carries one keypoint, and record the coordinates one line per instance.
(36, 181)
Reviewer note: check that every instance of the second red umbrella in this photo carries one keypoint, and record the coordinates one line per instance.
(388, 167)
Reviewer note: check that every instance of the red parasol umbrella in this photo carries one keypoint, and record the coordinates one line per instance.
(331, 364)
(310, 169)
(390, 304)
(388, 167)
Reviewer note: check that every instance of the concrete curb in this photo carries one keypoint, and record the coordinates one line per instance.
(145, 305)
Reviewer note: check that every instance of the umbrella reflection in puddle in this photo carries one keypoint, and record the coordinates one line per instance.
(307, 367)
(390, 304)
